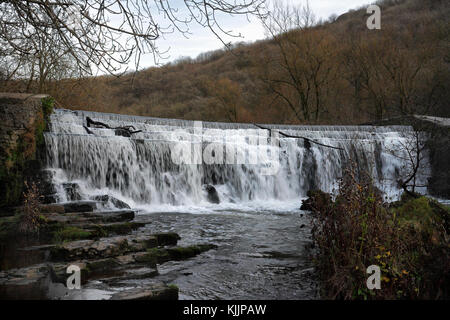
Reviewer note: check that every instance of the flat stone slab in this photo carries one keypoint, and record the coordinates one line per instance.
(25, 283)
(151, 292)
(114, 228)
(91, 217)
(80, 206)
(103, 248)
(126, 274)
(131, 266)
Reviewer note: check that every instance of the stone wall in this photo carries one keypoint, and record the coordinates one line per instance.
(22, 122)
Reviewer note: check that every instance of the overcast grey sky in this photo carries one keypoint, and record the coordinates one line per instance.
(202, 40)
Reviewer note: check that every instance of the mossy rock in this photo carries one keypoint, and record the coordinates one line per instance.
(422, 213)
(101, 266)
(70, 233)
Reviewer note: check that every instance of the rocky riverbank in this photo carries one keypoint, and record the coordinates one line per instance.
(108, 247)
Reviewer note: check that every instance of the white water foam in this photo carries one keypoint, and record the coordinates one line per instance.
(141, 172)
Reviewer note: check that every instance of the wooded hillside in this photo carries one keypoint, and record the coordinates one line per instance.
(336, 72)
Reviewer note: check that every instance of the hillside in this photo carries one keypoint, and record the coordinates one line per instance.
(336, 72)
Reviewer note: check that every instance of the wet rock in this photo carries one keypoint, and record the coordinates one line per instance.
(90, 217)
(116, 228)
(102, 248)
(73, 191)
(316, 199)
(80, 206)
(113, 216)
(25, 283)
(112, 269)
(213, 196)
(122, 132)
(167, 239)
(151, 292)
(45, 178)
(138, 273)
(135, 257)
(89, 269)
(58, 272)
(90, 249)
(50, 198)
(161, 255)
(122, 276)
(105, 199)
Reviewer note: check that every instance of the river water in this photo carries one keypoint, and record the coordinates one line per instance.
(260, 254)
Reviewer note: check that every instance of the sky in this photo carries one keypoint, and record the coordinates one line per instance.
(175, 45)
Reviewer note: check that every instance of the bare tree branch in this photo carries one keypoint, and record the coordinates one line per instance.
(107, 35)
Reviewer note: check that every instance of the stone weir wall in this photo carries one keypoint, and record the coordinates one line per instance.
(23, 119)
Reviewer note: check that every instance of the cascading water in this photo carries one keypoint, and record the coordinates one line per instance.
(144, 170)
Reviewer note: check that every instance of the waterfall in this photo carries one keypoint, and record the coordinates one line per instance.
(170, 161)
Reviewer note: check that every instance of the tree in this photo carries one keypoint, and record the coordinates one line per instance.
(108, 34)
(300, 70)
(412, 151)
(395, 72)
(229, 95)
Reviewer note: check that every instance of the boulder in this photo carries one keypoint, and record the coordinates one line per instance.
(119, 204)
(213, 196)
(161, 255)
(167, 239)
(103, 247)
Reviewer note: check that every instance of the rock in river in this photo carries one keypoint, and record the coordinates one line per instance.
(213, 196)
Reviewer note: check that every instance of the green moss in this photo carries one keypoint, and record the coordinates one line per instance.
(70, 234)
(42, 125)
(421, 213)
(48, 104)
(173, 287)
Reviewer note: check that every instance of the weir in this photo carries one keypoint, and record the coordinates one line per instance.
(146, 171)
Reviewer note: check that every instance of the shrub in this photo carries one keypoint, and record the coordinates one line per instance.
(408, 242)
(30, 219)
